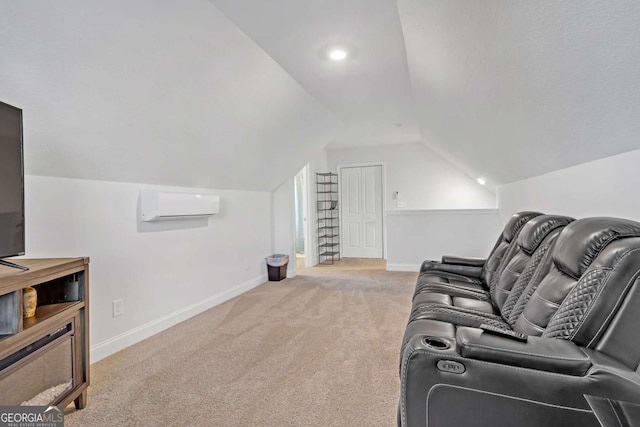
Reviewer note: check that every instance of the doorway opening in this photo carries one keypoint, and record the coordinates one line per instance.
(301, 235)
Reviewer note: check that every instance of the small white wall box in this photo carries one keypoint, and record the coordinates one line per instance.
(158, 205)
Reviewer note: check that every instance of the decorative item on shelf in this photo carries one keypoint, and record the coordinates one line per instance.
(29, 302)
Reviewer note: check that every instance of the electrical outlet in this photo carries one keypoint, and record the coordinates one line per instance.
(118, 308)
(402, 204)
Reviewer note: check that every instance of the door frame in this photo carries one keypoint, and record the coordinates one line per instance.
(341, 166)
(306, 208)
(306, 202)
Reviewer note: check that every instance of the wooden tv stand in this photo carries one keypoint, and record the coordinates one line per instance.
(45, 358)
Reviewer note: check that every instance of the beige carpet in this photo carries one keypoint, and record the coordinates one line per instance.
(317, 350)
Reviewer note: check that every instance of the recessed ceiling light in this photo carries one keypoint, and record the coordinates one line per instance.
(482, 181)
(338, 54)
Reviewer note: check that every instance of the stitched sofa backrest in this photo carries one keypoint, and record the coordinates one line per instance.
(544, 301)
(543, 228)
(503, 248)
(595, 264)
(602, 310)
(539, 267)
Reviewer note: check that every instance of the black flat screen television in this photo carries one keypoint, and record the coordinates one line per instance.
(12, 240)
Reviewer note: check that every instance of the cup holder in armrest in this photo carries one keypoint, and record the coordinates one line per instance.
(436, 343)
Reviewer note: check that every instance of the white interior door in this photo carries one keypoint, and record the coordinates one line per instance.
(361, 194)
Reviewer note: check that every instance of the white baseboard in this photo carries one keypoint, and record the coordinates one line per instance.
(403, 267)
(126, 339)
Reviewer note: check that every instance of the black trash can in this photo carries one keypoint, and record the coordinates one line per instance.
(277, 266)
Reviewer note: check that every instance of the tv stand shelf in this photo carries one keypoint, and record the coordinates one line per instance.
(46, 312)
(49, 352)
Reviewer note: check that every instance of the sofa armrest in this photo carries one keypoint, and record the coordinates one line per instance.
(436, 267)
(468, 261)
(437, 381)
(612, 412)
(542, 354)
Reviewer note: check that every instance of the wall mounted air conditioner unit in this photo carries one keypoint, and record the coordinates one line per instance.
(158, 205)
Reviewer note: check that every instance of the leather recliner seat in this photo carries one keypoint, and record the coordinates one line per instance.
(496, 305)
(463, 276)
(536, 235)
(579, 315)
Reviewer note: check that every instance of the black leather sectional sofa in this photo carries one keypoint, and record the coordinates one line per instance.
(543, 332)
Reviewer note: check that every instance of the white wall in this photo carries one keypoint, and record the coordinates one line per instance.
(415, 236)
(165, 272)
(423, 178)
(604, 187)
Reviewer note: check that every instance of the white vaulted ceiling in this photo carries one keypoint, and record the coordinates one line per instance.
(513, 89)
(370, 91)
(503, 89)
(239, 94)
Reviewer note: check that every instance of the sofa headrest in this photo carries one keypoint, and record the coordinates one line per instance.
(538, 228)
(583, 240)
(515, 223)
